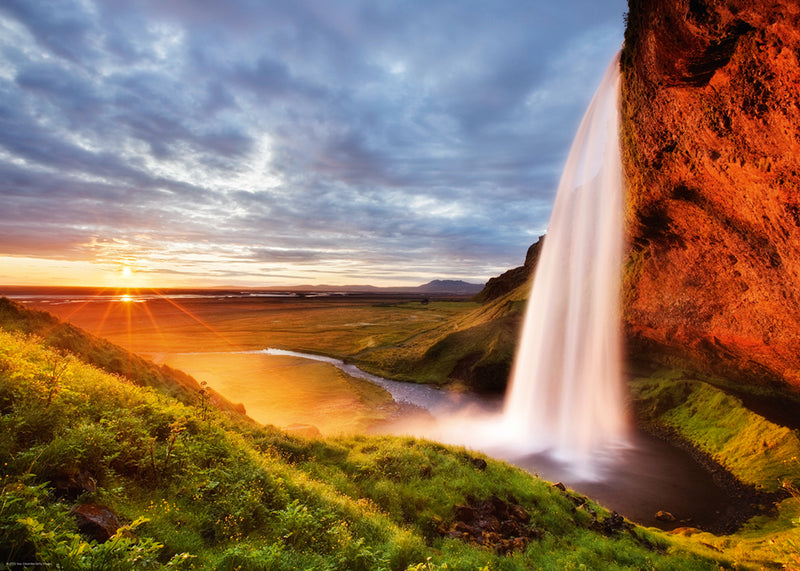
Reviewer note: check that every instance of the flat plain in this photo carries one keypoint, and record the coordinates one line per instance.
(212, 338)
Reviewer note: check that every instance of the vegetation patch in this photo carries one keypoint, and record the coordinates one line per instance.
(188, 486)
(194, 490)
(762, 455)
(756, 451)
(472, 348)
(104, 354)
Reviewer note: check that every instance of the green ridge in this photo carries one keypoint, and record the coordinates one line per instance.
(105, 355)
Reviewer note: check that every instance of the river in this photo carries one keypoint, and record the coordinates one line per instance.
(638, 481)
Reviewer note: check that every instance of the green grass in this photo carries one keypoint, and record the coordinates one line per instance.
(104, 354)
(219, 493)
(214, 490)
(340, 327)
(472, 348)
(754, 450)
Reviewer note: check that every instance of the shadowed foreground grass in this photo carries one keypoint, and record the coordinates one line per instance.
(204, 490)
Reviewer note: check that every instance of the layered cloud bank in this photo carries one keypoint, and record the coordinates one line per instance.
(232, 142)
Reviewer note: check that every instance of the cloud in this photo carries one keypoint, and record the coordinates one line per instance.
(370, 140)
(61, 28)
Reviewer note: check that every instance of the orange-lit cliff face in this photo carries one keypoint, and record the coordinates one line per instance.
(711, 148)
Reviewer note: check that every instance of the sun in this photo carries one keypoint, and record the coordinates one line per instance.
(126, 272)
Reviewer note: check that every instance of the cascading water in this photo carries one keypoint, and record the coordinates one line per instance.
(566, 393)
(564, 415)
(565, 397)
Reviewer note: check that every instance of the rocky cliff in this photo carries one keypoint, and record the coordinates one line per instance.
(513, 278)
(711, 145)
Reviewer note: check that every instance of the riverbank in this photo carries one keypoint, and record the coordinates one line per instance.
(187, 486)
(208, 326)
(641, 480)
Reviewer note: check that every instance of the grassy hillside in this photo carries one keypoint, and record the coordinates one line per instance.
(754, 450)
(761, 458)
(107, 356)
(474, 349)
(194, 488)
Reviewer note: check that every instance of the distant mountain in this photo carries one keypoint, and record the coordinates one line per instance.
(323, 288)
(449, 286)
(435, 287)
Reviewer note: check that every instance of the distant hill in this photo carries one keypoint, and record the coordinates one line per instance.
(475, 349)
(512, 279)
(450, 286)
(439, 287)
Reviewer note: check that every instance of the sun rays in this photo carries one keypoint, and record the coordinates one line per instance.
(142, 319)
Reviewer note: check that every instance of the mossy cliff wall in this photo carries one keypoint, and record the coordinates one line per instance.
(711, 150)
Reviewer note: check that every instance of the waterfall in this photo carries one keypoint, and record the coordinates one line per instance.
(566, 391)
(565, 398)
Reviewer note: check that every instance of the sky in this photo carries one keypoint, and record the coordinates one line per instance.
(167, 143)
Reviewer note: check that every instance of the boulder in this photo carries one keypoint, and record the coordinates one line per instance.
(478, 463)
(664, 516)
(96, 521)
(73, 484)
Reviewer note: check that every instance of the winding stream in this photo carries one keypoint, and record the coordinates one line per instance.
(435, 401)
(638, 481)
